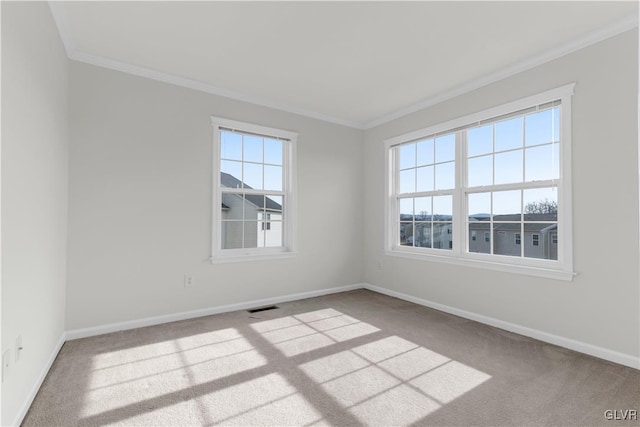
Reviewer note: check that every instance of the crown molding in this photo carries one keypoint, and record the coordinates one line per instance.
(203, 87)
(578, 43)
(60, 18)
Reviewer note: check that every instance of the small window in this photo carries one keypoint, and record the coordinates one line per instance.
(487, 236)
(535, 239)
(474, 236)
(253, 186)
(266, 221)
(554, 239)
(517, 238)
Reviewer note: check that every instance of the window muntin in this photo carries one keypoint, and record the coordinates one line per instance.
(254, 198)
(508, 166)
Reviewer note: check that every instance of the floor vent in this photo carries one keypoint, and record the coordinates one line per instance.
(256, 310)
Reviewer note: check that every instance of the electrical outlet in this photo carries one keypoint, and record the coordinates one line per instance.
(18, 347)
(188, 280)
(6, 361)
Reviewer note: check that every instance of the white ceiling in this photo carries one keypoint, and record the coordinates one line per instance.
(355, 63)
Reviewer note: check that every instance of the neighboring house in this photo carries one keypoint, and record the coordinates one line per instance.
(255, 218)
(421, 236)
(540, 238)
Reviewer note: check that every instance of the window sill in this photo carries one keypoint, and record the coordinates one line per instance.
(527, 270)
(243, 256)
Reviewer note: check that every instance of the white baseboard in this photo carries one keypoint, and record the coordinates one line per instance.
(156, 320)
(582, 347)
(600, 352)
(36, 386)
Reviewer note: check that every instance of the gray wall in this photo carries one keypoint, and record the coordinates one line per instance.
(601, 305)
(34, 194)
(140, 202)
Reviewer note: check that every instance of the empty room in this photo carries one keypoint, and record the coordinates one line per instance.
(320, 213)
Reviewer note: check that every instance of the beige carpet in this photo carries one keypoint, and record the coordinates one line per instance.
(350, 359)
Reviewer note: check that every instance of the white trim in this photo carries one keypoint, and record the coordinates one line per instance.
(157, 320)
(36, 386)
(250, 127)
(60, 18)
(579, 346)
(493, 264)
(289, 248)
(618, 27)
(560, 92)
(149, 73)
(560, 269)
(253, 255)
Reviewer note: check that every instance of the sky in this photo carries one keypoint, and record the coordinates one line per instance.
(254, 160)
(518, 149)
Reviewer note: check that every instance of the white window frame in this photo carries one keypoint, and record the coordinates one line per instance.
(289, 139)
(560, 269)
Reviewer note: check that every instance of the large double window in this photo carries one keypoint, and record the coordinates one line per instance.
(254, 198)
(491, 189)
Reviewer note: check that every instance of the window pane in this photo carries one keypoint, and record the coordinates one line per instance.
(479, 206)
(273, 151)
(509, 134)
(406, 209)
(230, 146)
(407, 181)
(252, 148)
(230, 174)
(232, 206)
(425, 152)
(556, 124)
(253, 175)
(507, 205)
(250, 234)
(445, 176)
(407, 153)
(253, 204)
(273, 178)
(274, 205)
(504, 239)
(425, 179)
(406, 233)
(442, 208)
(541, 204)
(480, 171)
(446, 148)
(477, 241)
(540, 163)
(423, 208)
(232, 234)
(273, 234)
(538, 128)
(556, 158)
(422, 235)
(480, 140)
(545, 247)
(508, 167)
(442, 235)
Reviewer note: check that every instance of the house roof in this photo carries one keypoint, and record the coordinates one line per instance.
(261, 202)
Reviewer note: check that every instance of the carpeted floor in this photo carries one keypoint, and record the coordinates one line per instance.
(350, 359)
